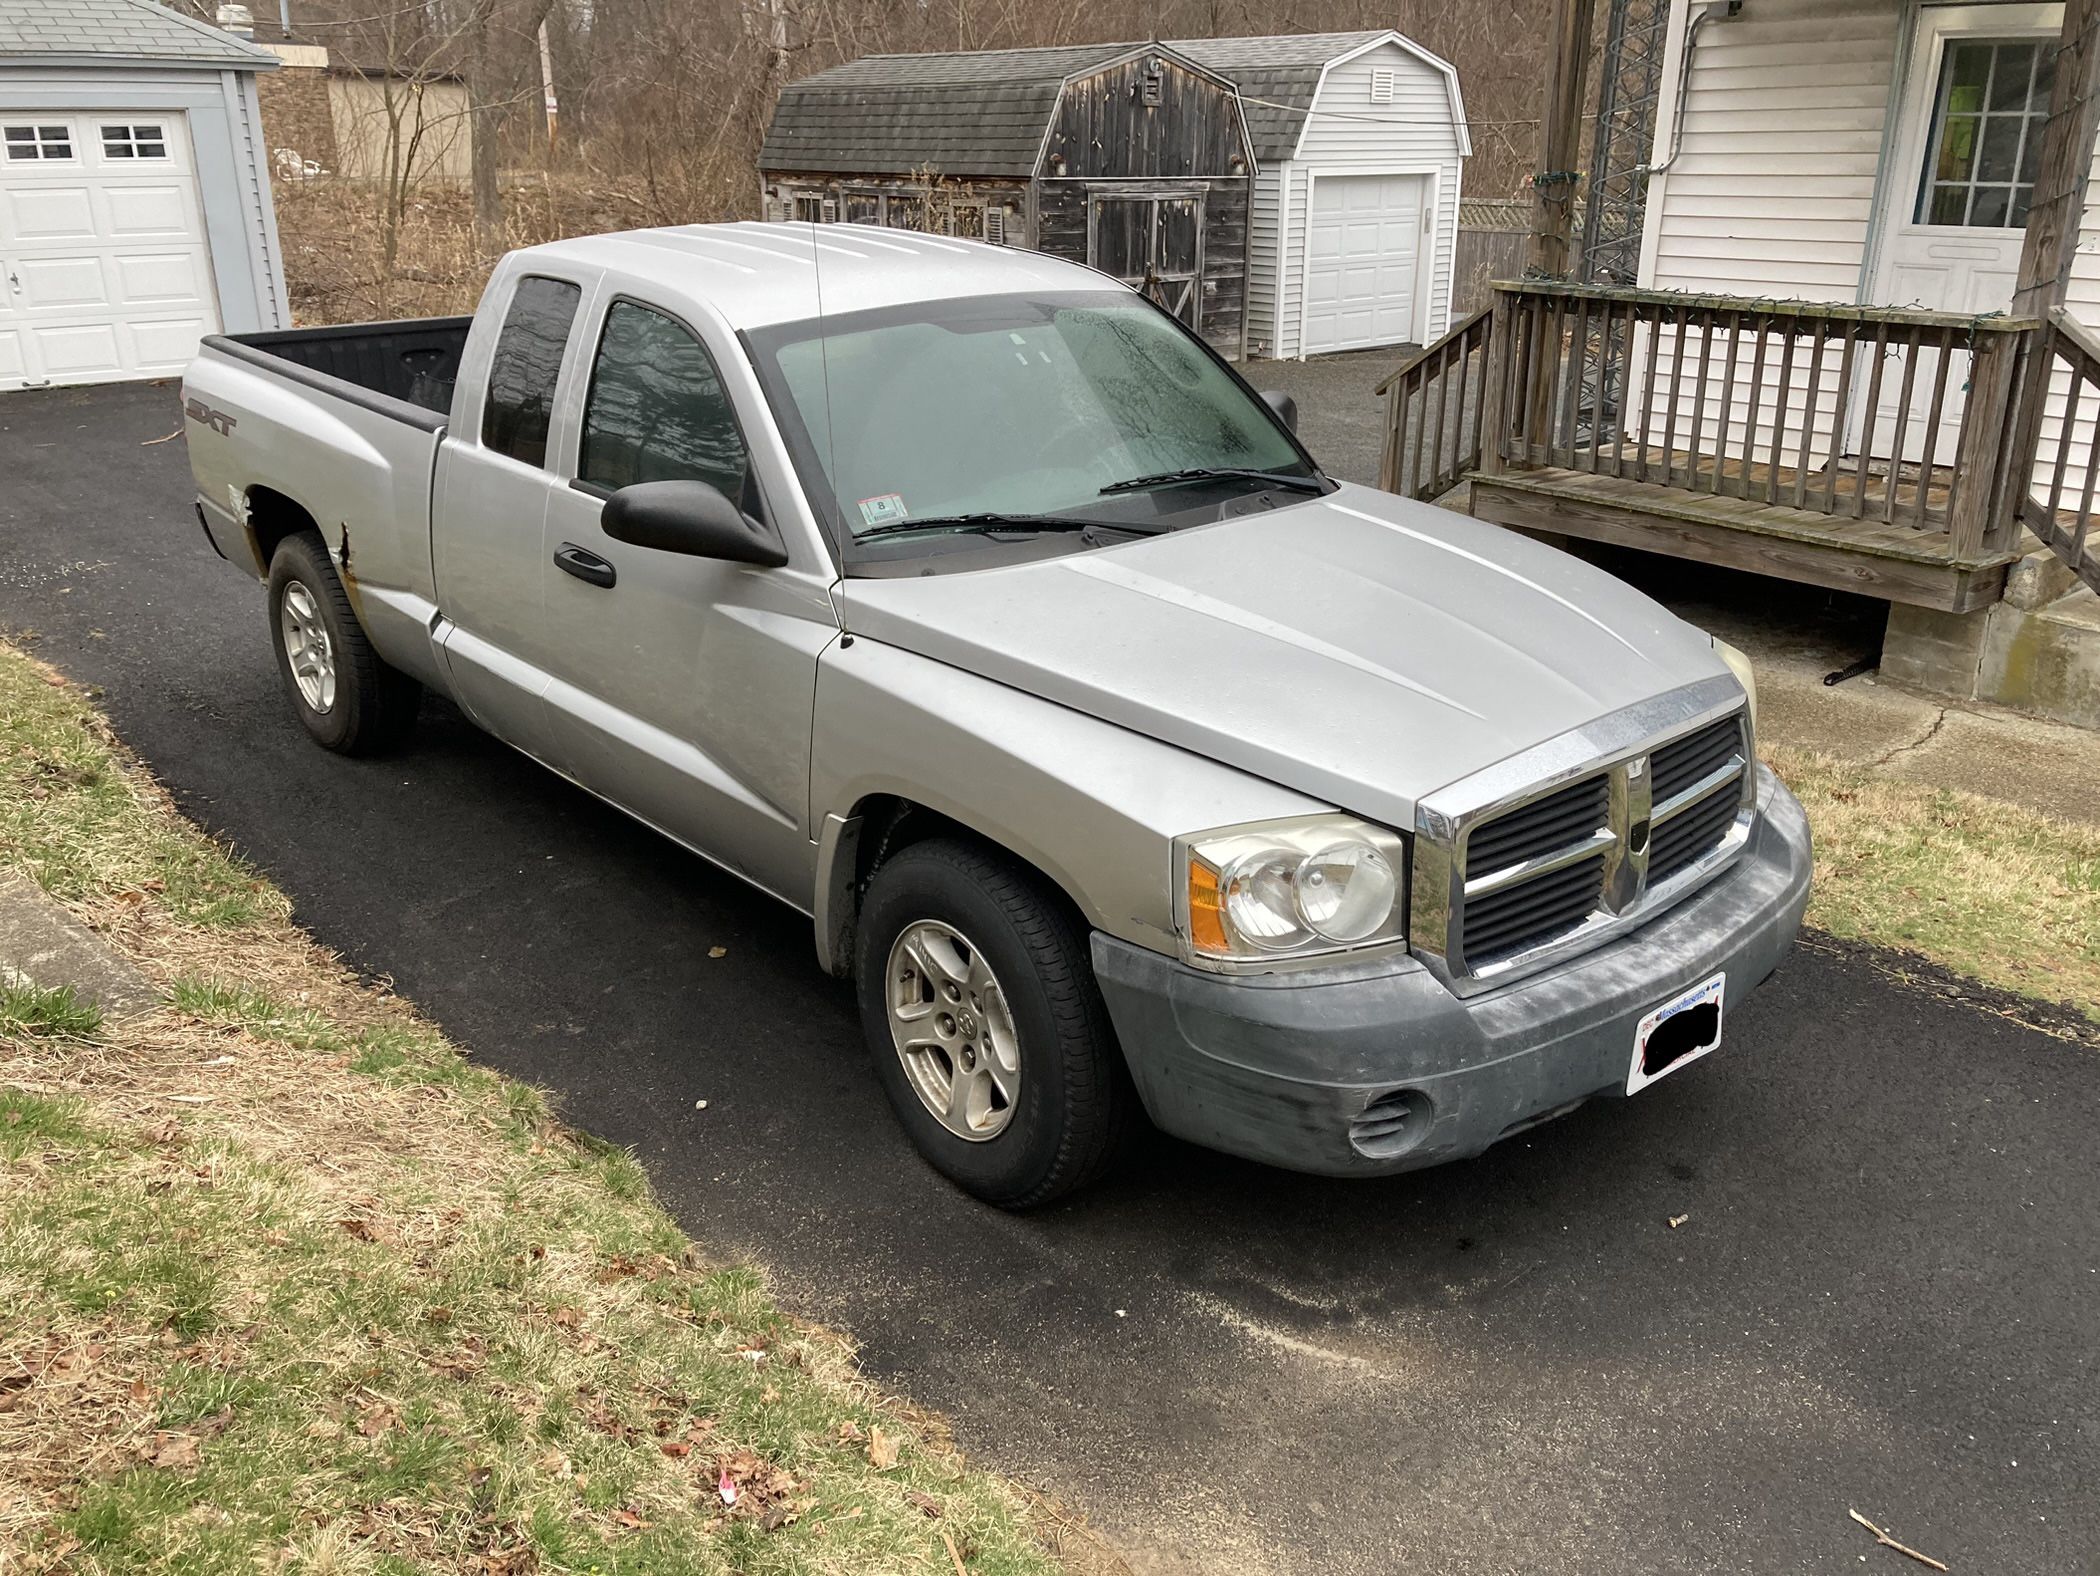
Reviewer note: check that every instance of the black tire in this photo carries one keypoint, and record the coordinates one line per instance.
(374, 706)
(1075, 1105)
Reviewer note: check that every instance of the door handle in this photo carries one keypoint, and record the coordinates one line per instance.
(585, 565)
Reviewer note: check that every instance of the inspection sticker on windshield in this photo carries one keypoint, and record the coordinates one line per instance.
(882, 509)
(1677, 1033)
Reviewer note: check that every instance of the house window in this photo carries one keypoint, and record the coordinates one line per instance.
(1986, 133)
(36, 142)
(809, 210)
(134, 142)
(1382, 85)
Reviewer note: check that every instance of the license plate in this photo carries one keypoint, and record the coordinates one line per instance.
(1677, 1033)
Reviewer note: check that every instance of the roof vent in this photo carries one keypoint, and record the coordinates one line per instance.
(237, 20)
(1382, 85)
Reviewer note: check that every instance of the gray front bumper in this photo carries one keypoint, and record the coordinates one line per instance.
(1277, 1067)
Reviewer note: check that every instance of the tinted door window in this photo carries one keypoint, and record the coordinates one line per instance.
(657, 411)
(527, 361)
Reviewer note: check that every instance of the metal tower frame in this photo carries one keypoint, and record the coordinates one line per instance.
(1630, 84)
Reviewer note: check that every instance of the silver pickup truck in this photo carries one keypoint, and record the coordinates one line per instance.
(968, 603)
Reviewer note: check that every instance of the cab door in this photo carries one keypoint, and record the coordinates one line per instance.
(681, 688)
(489, 509)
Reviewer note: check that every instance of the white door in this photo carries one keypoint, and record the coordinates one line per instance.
(104, 270)
(1363, 244)
(1965, 151)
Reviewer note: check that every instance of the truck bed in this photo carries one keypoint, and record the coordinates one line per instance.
(413, 363)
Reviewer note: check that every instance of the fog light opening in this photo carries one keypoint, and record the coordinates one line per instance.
(1392, 1124)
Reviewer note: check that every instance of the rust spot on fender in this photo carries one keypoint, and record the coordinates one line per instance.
(349, 575)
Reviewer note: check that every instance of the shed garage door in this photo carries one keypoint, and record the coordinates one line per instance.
(1363, 241)
(107, 274)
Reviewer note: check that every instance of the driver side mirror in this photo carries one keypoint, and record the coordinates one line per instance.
(1283, 405)
(688, 517)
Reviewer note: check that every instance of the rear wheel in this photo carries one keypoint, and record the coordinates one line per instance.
(339, 688)
(989, 1034)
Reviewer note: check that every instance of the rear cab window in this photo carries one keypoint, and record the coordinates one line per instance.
(519, 405)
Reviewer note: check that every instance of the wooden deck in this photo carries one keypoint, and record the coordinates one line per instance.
(1757, 435)
(1870, 555)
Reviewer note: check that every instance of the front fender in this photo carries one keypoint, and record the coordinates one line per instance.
(1093, 806)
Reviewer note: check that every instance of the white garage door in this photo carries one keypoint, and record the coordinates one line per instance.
(1362, 245)
(102, 244)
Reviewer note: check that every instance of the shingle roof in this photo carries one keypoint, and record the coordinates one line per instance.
(978, 113)
(1277, 78)
(122, 32)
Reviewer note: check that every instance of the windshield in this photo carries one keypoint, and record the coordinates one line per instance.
(1010, 405)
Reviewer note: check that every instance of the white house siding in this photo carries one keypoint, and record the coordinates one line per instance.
(1772, 191)
(1772, 194)
(233, 180)
(1264, 205)
(1346, 131)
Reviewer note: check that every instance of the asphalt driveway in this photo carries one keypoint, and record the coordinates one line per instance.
(1885, 1292)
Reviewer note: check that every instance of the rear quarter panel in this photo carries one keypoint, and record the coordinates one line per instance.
(363, 474)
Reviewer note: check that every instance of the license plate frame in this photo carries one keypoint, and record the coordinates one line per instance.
(1708, 994)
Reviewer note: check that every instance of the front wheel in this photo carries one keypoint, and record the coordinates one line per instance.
(347, 697)
(989, 1034)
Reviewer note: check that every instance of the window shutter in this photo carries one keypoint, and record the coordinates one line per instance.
(1382, 85)
(995, 226)
(828, 211)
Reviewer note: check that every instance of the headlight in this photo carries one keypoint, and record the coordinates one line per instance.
(1739, 665)
(1291, 889)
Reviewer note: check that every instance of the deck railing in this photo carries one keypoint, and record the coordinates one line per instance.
(1895, 417)
(2060, 422)
(1434, 439)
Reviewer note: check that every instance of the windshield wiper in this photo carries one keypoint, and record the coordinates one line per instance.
(1205, 473)
(990, 523)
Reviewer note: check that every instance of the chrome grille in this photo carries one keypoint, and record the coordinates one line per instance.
(1645, 805)
(1537, 872)
(1533, 912)
(1698, 793)
(1540, 827)
(1683, 762)
(1683, 840)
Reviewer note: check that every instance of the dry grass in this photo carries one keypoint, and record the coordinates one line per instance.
(1985, 889)
(333, 234)
(287, 1284)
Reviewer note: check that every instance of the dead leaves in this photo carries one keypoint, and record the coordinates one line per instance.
(752, 1488)
(882, 1449)
(376, 1419)
(175, 1452)
(182, 1450)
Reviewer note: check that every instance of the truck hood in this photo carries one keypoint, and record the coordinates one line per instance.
(1359, 648)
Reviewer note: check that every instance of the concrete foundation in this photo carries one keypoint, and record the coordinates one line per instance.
(2037, 651)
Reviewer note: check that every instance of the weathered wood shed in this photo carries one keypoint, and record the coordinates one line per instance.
(1129, 157)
